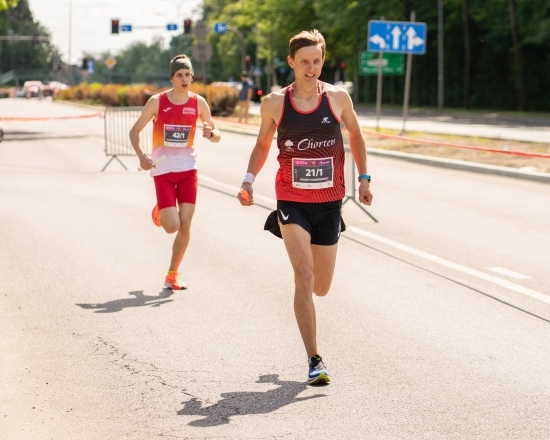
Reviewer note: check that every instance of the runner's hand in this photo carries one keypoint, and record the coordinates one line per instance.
(245, 194)
(207, 131)
(145, 162)
(365, 196)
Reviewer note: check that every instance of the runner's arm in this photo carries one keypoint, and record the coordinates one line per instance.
(357, 145)
(260, 151)
(209, 130)
(149, 112)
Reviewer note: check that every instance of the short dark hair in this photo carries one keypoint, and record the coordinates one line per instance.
(244, 73)
(305, 39)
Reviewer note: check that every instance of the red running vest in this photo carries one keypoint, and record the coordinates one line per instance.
(311, 153)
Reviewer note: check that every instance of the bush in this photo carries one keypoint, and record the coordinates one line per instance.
(222, 99)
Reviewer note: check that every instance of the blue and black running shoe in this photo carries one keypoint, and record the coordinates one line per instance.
(318, 372)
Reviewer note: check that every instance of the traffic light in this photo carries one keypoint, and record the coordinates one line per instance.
(84, 64)
(187, 26)
(247, 61)
(114, 26)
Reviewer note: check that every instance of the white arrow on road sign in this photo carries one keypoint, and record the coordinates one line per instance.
(412, 39)
(396, 32)
(378, 40)
(397, 37)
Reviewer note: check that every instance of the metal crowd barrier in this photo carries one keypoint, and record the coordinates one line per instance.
(118, 122)
(351, 174)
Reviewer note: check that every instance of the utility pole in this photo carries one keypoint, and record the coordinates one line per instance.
(440, 55)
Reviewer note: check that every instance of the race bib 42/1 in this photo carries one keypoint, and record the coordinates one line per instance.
(176, 135)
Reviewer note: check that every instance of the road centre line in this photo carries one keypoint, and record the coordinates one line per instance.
(491, 278)
(230, 189)
(509, 273)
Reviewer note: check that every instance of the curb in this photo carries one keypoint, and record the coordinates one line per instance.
(434, 161)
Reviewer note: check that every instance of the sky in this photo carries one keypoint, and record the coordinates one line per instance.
(90, 23)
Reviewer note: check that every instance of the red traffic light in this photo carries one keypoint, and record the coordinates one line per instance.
(115, 26)
(342, 66)
(187, 26)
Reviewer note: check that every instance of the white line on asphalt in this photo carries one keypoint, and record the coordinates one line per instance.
(403, 247)
(509, 273)
(503, 283)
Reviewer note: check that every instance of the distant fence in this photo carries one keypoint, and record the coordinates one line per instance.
(118, 122)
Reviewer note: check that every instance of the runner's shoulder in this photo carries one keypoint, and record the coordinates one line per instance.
(274, 99)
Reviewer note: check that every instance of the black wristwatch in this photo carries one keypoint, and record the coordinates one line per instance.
(363, 176)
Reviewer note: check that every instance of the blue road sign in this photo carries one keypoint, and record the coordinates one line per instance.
(397, 37)
(220, 28)
(172, 27)
(125, 28)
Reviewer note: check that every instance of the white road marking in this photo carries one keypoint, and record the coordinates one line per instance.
(499, 281)
(403, 247)
(509, 273)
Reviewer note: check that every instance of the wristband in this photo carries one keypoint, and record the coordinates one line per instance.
(249, 177)
(364, 176)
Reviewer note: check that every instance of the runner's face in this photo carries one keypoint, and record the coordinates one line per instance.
(307, 63)
(182, 79)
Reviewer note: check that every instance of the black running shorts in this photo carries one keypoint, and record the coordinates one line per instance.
(323, 221)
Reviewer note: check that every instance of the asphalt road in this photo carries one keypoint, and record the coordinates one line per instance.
(437, 325)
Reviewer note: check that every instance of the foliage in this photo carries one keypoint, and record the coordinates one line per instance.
(6, 4)
(269, 24)
(23, 56)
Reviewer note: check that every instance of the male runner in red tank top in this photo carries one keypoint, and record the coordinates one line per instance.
(310, 180)
(175, 113)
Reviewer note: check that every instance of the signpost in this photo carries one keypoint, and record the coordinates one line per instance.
(172, 27)
(125, 28)
(200, 30)
(396, 37)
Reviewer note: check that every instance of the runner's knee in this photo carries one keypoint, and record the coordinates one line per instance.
(303, 277)
(171, 225)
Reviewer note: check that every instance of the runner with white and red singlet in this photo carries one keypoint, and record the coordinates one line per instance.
(173, 162)
(310, 181)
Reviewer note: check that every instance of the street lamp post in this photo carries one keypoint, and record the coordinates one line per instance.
(243, 45)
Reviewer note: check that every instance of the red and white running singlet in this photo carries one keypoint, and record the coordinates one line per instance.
(174, 135)
(311, 153)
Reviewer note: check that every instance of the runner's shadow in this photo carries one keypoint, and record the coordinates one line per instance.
(243, 403)
(139, 300)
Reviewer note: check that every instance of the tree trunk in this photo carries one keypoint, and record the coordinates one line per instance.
(522, 94)
(467, 53)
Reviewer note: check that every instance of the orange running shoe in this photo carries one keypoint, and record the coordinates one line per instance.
(156, 216)
(173, 282)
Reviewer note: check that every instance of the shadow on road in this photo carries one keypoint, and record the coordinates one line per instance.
(139, 300)
(243, 403)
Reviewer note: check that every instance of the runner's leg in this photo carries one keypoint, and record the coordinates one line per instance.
(179, 247)
(297, 242)
(170, 219)
(324, 262)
